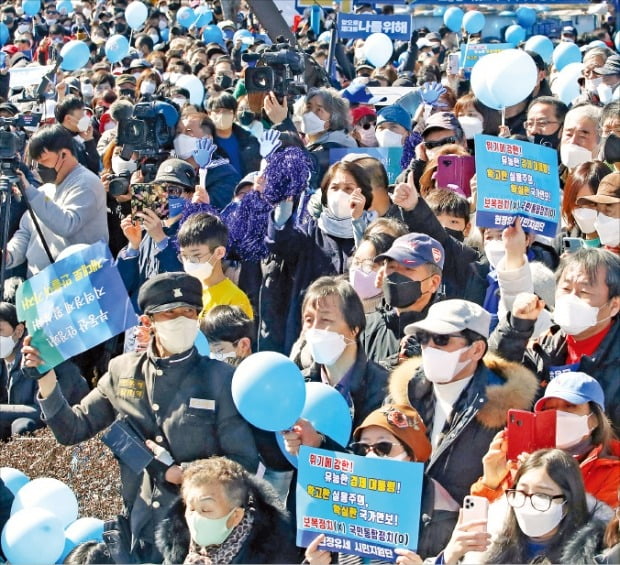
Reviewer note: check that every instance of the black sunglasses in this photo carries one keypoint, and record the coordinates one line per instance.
(368, 125)
(381, 448)
(423, 338)
(440, 142)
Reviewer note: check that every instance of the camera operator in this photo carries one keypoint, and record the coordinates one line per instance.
(70, 114)
(70, 211)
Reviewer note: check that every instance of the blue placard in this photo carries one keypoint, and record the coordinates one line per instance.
(517, 179)
(360, 26)
(75, 304)
(471, 52)
(389, 156)
(364, 506)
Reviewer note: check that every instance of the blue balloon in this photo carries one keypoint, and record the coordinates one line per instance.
(65, 7)
(31, 7)
(34, 536)
(82, 530)
(4, 33)
(75, 55)
(116, 48)
(135, 14)
(202, 344)
(526, 16)
(473, 21)
(50, 494)
(212, 34)
(564, 54)
(453, 18)
(617, 41)
(542, 45)
(269, 391)
(515, 34)
(204, 16)
(164, 34)
(328, 412)
(186, 17)
(13, 479)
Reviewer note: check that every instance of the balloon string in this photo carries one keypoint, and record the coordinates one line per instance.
(503, 116)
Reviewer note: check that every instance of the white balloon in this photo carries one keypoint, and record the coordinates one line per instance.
(565, 86)
(513, 78)
(135, 14)
(50, 494)
(194, 86)
(378, 49)
(480, 72)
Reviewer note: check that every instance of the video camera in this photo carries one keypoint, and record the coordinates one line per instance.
(12, 143)
(279, 69)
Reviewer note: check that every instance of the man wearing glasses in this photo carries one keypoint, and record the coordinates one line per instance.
(462, 394)
(545, 118)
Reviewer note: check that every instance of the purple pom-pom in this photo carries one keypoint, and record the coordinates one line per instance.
(247, 227)
(286, 174)
(412, 141)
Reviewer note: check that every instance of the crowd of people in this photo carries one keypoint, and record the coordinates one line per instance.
(227, 214)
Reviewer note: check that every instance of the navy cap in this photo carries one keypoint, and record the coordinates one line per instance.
(574, 387)
(415, 249)
(170, 290)
(396, 114)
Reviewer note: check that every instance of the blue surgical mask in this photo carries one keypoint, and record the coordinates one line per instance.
(176, 206)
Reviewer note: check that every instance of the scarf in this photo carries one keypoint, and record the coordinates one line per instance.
(334, 226)
(226, 551)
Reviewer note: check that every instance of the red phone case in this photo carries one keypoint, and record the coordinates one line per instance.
(455, 171)
(530, 431)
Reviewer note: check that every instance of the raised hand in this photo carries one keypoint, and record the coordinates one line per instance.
(431, 91)
(203, 152)
(269, 142)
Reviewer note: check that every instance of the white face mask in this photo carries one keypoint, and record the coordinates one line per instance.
(163, 24)
(223, 121)
(441, 366)
(367, 137)
(339, 203)
(87, 90)
(387, 138)
(585, 218)
(7, 345)
(570, 429)
(495, 251)
(471, 126)
(608, 230)
(184, 145)
(573, 155)
(83, 124)
(591, 84)
(400, 457)
(176, 335)
(180, 102)
(605, 93)
(311, 124)
(326, 347)
(534, 523)
(573, 314)
(202, 271)
(119, 165)
(148, 87)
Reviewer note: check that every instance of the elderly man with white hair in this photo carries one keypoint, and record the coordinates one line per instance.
(581, 135)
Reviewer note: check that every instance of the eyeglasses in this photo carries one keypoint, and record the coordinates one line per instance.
(365, 265)
(531, 124)
(423, 338)
(194, 259)
(440, 142)
(539, 501)
(381, 448)
(173, 190)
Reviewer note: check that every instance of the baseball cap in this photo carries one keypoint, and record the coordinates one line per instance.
(176, 171)
(433, 36)
(138, 63)
(608, 191)
(569, 30)
(574, 387)
(361, 112)
(126, 79)
(453, 316)
(10, 108)
(443, 120)
(356, 93)
(414, 249)
(170, 290)
(404, 423)
(611, 66)
(396, 114)
(247, 179)
(364, 67)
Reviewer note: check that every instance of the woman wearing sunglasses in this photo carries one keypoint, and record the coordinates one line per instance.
(391, 432)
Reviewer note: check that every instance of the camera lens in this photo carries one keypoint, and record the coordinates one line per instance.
(119, 185)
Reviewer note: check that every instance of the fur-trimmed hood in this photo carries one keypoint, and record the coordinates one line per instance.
(517, 387)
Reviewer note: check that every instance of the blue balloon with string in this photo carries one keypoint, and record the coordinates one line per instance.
(75, 55)
(473, 21)
(212, 34)
(116, 48)
(542, 45)
(31, 7)
(204, 16)
(453, 18)
(186, 17)
(526, 16)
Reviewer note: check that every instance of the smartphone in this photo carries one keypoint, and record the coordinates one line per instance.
(152, 195)
(476, 509)
(572, 244)
(127, 445)
(452, 67)
(454, 172)
(530, 431)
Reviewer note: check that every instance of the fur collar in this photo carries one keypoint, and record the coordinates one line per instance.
(518, 387)
(585, 544)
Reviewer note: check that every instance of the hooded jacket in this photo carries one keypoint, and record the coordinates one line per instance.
(478, 414)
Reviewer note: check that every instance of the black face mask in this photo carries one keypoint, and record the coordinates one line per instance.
(47, 174)
(400, 291)
(246, 117)
(551, 140)
(611, 149)
(120, 28)
(458, 235)
(197, 68)
(224, 81)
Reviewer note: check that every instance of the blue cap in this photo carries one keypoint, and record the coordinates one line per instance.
(356, 93)
(415, 249)
(396, 114)
(574, 387)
